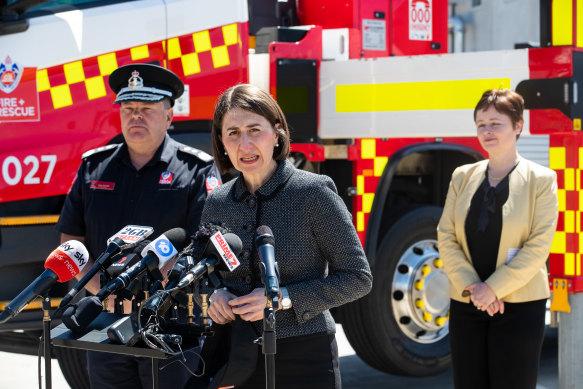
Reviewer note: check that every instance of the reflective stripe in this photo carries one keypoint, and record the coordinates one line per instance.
(562, 23)
(414, 96)
(28, 220)
(37, 303)
(214, 43)
(568, 239)
(579, 27)
(140, 52)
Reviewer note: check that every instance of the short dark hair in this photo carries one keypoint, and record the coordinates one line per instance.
(253, 99)
(505, 101)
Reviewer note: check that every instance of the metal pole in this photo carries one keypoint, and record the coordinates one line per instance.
(570, 341)
(155, 373)
(269, 345)
(47, 340)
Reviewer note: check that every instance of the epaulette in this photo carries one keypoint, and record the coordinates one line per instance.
(197, 153)
(99, 150)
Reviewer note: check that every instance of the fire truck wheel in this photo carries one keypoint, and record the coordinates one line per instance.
(73, 366)
(401, 326)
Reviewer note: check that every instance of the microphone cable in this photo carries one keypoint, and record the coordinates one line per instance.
(151, 335)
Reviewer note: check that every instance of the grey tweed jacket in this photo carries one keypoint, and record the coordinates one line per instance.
(320, 258)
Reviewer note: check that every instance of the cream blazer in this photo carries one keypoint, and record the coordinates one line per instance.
(529, 220)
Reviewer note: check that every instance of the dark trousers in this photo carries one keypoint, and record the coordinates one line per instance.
(308, 362)
(117, 371)
(496, 352)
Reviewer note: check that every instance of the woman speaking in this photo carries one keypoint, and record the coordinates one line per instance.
(321, 261)
(494, 237)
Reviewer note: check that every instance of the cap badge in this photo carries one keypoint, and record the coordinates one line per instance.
(135, 81)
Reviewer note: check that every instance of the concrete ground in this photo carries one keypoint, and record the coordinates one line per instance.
(21, 371)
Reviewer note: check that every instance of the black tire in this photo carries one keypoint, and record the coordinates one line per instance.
(73, 363)
(370, 323)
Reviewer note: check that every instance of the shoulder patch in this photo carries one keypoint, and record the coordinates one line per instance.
(99, 150)
(197, 153)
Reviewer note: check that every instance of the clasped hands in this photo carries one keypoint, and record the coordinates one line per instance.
(484, 298)
(225, 305)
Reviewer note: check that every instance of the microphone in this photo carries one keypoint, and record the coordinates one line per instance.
(64, 263)
(220, 249)
(160, 302)
(127, 237)
(269, 269)
(154, 255)
(125, 261)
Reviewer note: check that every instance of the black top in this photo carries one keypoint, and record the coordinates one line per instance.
(484, 225)
(109, 193)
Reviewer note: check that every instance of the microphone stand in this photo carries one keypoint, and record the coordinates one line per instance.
(268, 342)
(47, 339)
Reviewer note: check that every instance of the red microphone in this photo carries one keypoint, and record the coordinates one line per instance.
(64, 263)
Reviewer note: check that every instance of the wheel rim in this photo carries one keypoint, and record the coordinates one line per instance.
(420, 293)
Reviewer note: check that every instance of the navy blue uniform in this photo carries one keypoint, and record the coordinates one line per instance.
(108, 194)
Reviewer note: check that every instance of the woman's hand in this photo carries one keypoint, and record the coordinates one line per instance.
(219, 309)
(250, 307)
(495, 307)
(482, 295)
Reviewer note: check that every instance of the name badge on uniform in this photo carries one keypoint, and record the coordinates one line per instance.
(101, 185)
(211, 183)
(165, 178)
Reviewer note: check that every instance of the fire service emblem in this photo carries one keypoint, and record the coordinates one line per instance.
(10, 73)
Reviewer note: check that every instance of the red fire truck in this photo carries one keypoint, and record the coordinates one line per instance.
(373, 98)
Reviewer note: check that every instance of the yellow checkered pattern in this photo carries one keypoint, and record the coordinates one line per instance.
(571, 217)
(95, 86)
(368, 152)
(202, 43)
(74, 73)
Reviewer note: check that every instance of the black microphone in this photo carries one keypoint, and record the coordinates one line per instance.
(154, 255)
(126, 260)
(161, 301)
(127, 237)
(220, 249)
(64, 263)
(269, 269)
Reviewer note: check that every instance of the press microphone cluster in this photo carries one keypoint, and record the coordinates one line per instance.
(154, 255)
(127, 237)
(64, 263)
(220, 252)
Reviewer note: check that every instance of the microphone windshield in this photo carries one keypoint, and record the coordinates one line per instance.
(234, 243)
(201, 238)
(264, 236)
(67, 260)
(207, 230)
(178, 237)
(138, 249)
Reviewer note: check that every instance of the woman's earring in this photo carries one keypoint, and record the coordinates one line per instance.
(226, 153)
(277, 145)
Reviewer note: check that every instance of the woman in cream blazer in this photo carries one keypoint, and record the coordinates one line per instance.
(494, 238)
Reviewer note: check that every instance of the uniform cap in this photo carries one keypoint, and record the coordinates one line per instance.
(145, 82)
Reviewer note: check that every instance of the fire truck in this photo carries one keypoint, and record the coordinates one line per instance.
(378, 94)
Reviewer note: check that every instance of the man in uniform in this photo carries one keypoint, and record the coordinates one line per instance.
(150, 180)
